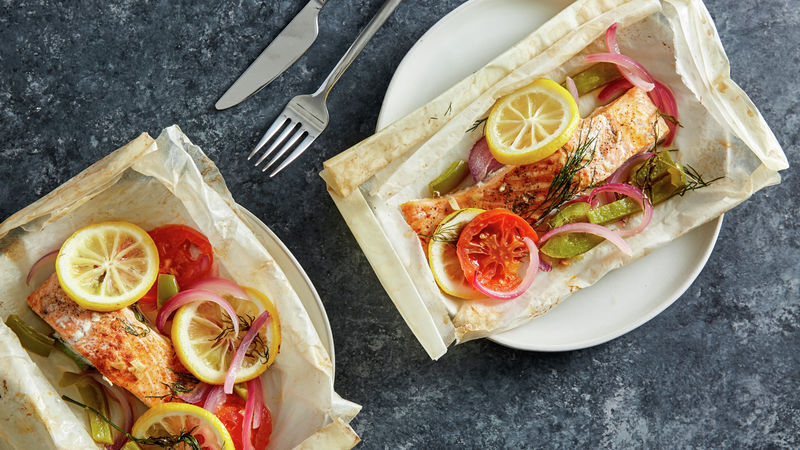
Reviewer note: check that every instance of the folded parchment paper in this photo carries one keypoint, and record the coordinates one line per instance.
(153, 183)
(724, 135)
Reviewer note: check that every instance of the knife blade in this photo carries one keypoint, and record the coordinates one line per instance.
(284, 50)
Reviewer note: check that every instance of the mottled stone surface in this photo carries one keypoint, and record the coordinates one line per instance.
(719, 368)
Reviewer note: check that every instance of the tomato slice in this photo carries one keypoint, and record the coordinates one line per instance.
(491, 249)
(183, 252)
(231, 413)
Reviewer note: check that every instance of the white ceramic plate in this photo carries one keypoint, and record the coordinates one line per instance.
(297, 278)
(461, 43)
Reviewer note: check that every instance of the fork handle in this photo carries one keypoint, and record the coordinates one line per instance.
(358, 45)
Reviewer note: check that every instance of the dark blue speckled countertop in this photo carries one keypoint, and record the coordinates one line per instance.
(719, 368)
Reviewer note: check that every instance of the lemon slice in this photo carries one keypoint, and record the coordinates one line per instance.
(531, 123)
(205, 343)
(170, 420)
(442, 254)
(107, 266)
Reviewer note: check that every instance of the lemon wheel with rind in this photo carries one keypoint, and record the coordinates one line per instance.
(170, 420)
(442, 256)
(107, 266)
(531, 123)
(202, 335)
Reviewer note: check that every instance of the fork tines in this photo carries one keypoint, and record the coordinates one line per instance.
(291, 132)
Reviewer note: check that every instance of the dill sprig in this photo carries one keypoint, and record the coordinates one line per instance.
(478, 123)
(133, 329)
(258, 348)
(186, 382)
(449, 232)
(564, 186)
(446, 113)
(694, 180)
(168, 442)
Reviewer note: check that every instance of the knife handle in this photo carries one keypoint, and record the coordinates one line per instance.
(358, 45)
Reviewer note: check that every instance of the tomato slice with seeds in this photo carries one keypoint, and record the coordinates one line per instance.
(183, 252)
(491, 249)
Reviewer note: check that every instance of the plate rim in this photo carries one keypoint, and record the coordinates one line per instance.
(327, 339)
(587, 343)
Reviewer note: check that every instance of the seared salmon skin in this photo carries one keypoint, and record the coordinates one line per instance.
(612, 134)
(124, 350)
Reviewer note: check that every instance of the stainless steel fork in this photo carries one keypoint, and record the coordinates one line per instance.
(306, 116)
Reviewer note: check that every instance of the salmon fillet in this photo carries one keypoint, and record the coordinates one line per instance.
(145, 365)
(621, 129)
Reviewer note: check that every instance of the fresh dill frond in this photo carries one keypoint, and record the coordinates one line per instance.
(258, 348)
(694, 180)
(449, 232)
(168, 442)
(133, 329)
(564, 186)
(186, 382)
(449, 109)
(670, 118)
(478, 123)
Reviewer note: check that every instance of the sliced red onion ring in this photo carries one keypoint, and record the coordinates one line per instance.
(253, 391)
(572, 89)
(194, 295)
(259, 403)
(527, 280)
(220, 286)
(481, 162)
(126, 410)
(238, 357)
(622, 173)
(635, 73)
(195, 395)
(45, 261)
(636, 194)
(216, 396)
(664, 99)
(590, 228)
(614, 89)
(544, 266)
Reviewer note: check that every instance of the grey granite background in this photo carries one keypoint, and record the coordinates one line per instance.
(719, 368)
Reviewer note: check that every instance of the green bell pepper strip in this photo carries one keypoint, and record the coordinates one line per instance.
(82, 363)
(130, 445)
(29, 337)
(594, 77)
(93, 395)
(167, 287)
(570, 244)
(449, 179)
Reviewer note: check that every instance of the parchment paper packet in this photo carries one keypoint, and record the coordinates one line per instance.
(154, 183)
(723, 135)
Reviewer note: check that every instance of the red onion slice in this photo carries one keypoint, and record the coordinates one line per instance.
(259, 403)
(45, 261)
(590, 228)
(253, 391)
(194, 295)
(481, 162)
(573, 90)
(195, 395)
(527, 280)
(544, 266)
(622, 174)
(636, 74)
(614, 89)
(637, 195)
(238, 357)
(126, 410)
(220, 286)
(215, 399)
(664, 99)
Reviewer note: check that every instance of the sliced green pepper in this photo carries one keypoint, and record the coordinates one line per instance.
(93, 395)
(167, 287)
(570, 244)
(652, 171)
(449, 179)
(241, 390)
(572, 213)
(595, 76)
(29, 337)
(82, 363)
(130, 445)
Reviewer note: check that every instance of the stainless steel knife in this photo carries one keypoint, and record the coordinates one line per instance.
(292, 42)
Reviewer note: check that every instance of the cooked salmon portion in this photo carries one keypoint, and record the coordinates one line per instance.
(611, 135)
(124, 350)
